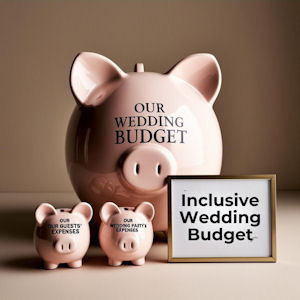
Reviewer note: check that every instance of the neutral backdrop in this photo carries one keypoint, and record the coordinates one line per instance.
(256, 44)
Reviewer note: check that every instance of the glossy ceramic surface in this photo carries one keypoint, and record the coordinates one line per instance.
(62, 235)
(129, 131)
(126, 233)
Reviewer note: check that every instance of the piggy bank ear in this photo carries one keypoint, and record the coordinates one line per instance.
(203, 72)
(44, 210)
(147, 209)
(93, 78)
(83, 209)
(107, 210)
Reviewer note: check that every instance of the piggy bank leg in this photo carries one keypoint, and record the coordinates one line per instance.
(50, 266)
(114, 263)
(139, 262)
(75, 264)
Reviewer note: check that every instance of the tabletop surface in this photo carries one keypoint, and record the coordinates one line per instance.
(21, 275)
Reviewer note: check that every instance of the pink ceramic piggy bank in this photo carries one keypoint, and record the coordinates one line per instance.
(62, 235)
(129, 131)
(126, 234)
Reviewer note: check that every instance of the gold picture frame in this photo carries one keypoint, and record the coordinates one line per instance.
(271, 258)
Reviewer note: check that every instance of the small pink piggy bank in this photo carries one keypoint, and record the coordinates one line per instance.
(62, 235)
(126, 234)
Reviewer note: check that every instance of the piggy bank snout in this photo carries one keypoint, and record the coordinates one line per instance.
(128, 244)
(146, 167)
(65, 245)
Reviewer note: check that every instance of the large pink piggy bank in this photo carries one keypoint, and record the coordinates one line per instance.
(62, 235)
(126, 234)
(128, 132)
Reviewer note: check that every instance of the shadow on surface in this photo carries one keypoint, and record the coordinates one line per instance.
(160, 237)
(96, 261)
(36, 263)
(24, 263)
(17, 224)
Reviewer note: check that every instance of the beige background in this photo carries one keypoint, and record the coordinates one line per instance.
(256, 44)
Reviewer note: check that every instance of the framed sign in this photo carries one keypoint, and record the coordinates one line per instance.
(222, 218)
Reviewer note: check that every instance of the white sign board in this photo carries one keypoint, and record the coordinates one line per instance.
(221, 218)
